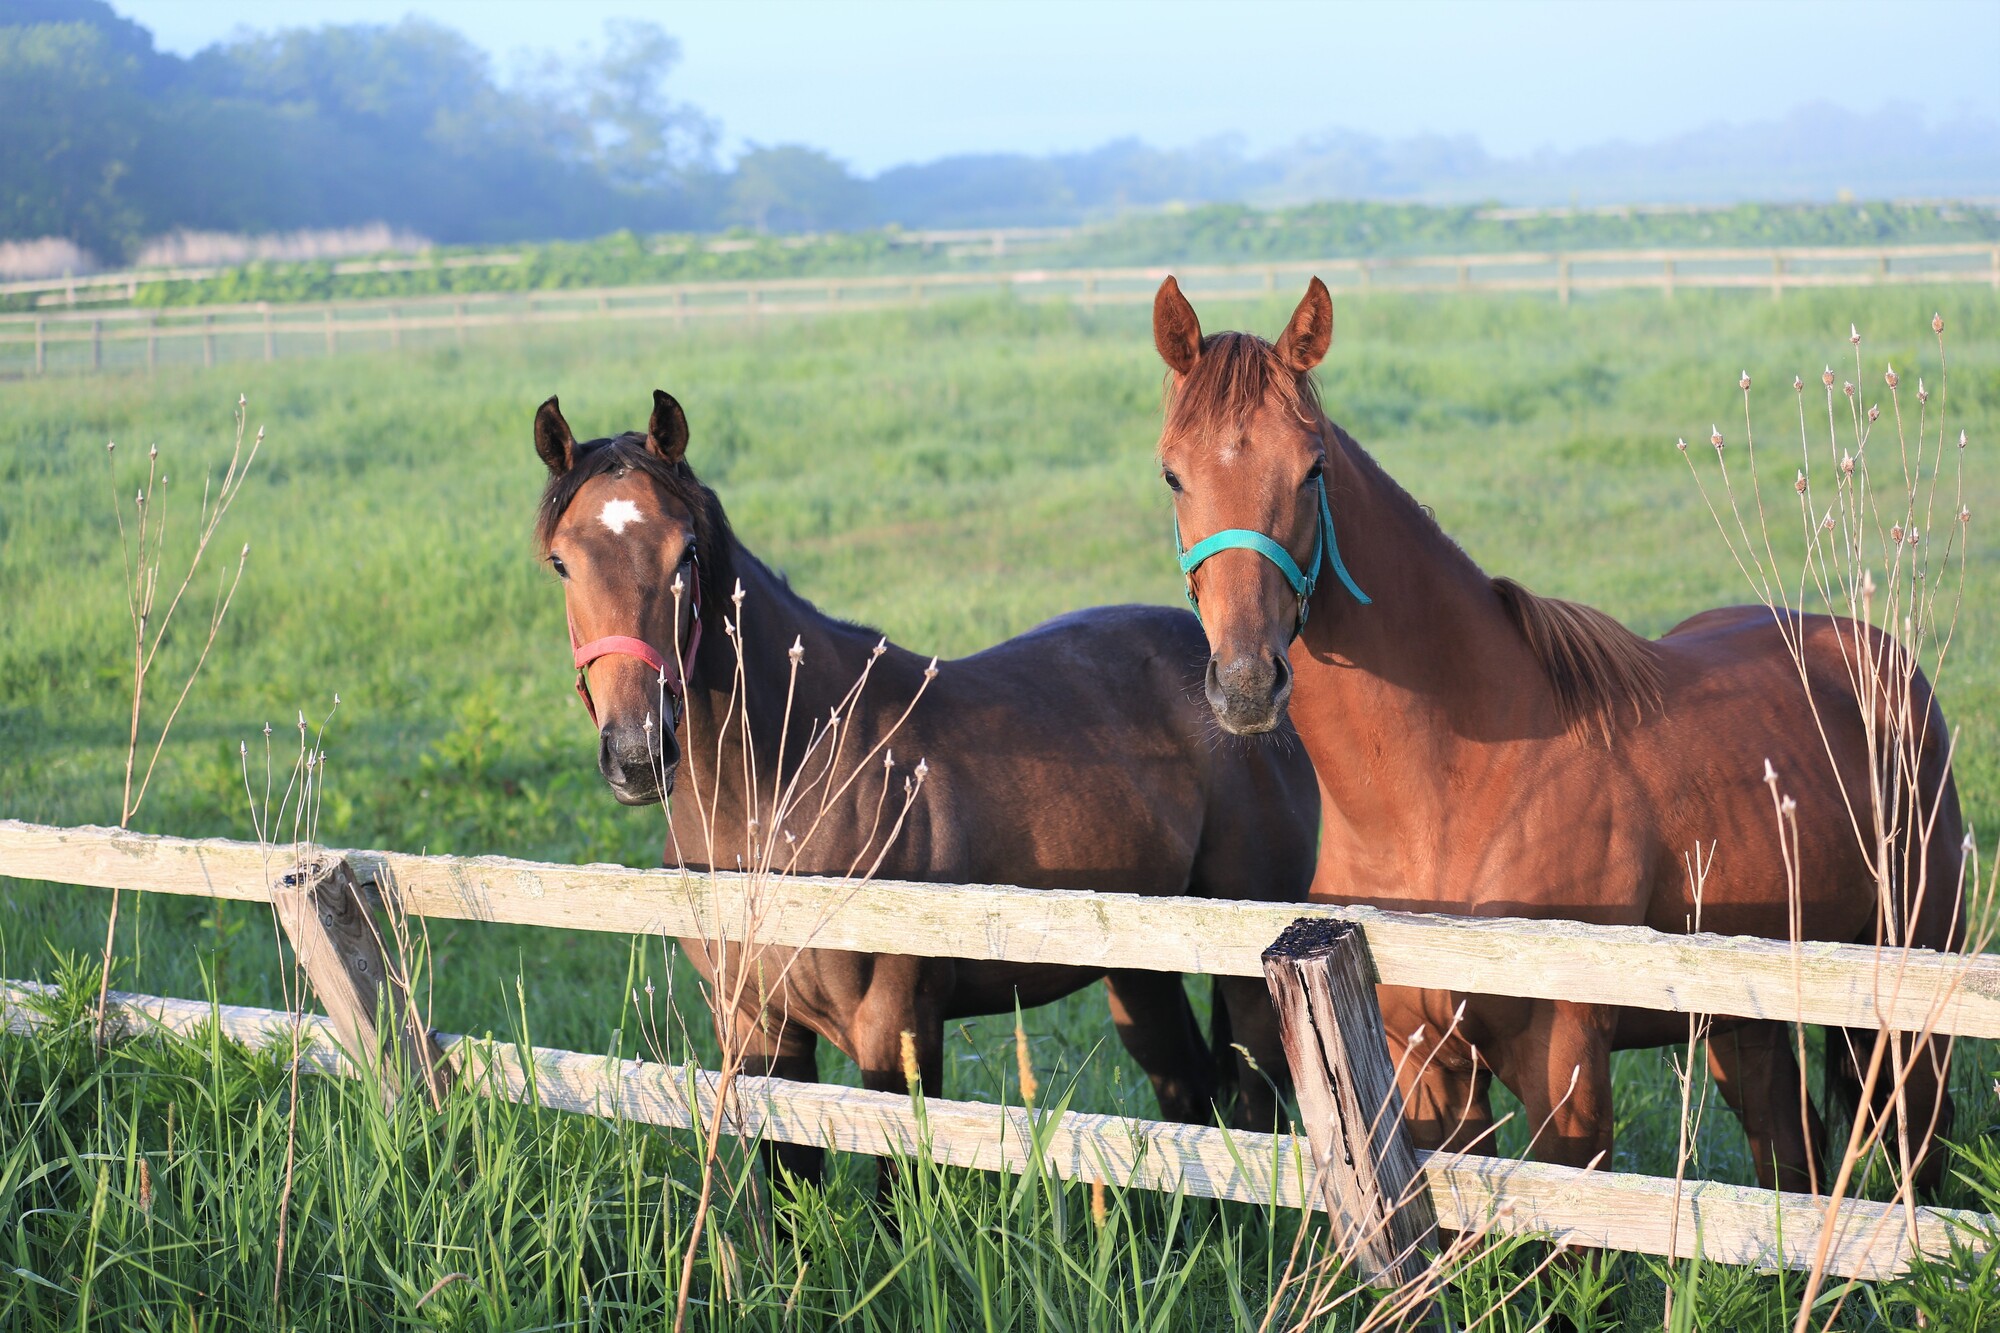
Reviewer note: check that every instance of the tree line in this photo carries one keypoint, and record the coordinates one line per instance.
(105, 140)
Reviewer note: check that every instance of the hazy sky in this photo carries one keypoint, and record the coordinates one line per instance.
(890, 81)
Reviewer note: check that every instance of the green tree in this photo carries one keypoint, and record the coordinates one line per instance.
(795, 188)
(74, 120)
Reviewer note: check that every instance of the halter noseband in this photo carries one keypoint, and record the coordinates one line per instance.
(674, 684)
(1303, 582)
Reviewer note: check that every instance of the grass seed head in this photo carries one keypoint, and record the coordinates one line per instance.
(1846, 463)
(1826, 523)
(1681, 444)
(1847, 387)
(1874, 412)
(1715, 436)
(1889, 377)
(1854, 335)
(1743, 382)
(1022, 1064)
(1826, 377)
(1937, 323)
(1923, 394)
(1798, 385)
(1896, 533)
(1800, 484)
(912, 1075)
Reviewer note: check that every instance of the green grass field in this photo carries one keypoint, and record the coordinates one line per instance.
(955, 475)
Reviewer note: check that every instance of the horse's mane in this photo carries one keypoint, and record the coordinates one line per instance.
(1596, 665)
(713, 537)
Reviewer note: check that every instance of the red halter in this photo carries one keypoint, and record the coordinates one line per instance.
(675, 683)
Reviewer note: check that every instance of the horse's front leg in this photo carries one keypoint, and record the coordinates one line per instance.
(1154, 1020)
(1559, 1065)
(770, 1046)
(904, 1000)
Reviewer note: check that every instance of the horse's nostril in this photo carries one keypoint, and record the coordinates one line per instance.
(1281, 675)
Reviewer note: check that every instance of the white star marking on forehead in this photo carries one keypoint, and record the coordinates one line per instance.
(618, 513)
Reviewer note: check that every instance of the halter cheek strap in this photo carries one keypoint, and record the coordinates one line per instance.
(1303, 581)
(675, 683)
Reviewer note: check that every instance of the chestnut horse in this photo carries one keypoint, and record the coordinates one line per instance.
(1482, 750)
(1076, 756)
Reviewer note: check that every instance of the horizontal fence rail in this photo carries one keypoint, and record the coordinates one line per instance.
(1601, 1209)
(1813, 982)
(43, 342)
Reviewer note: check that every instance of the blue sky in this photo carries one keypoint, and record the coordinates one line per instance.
(891, 81)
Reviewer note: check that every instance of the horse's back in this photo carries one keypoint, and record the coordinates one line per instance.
(1749, 687)
(1093, 730)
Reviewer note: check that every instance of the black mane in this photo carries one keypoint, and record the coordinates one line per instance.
(713, 538)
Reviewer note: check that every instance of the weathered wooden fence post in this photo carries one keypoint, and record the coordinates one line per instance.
(331, 927)
(1323, 985)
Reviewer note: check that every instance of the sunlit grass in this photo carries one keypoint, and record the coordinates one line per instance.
(954, 475)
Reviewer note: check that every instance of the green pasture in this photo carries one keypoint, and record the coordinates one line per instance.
(953, 474)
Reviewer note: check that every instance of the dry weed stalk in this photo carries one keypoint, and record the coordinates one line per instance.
(1865, 527)
(144, 553)
(814, 791)
(1691, 1107)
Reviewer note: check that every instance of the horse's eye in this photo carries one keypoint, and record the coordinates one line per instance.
(562, 570)
(1173, 482)
(1315, 472)
(688, 556)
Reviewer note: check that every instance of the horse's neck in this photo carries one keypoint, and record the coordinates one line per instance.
(1389, 696)
(776, 706)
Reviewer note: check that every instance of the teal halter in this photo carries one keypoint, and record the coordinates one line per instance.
(1303, 582)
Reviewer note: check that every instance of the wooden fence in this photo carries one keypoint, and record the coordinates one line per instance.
(131, 339)
(1910, 990)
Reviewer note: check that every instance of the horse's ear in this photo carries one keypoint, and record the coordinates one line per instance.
(552, 438)
(1176, 332)
(1305, 340)
(667, 432)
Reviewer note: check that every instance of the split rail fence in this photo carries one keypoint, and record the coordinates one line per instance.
(1843, 985)
(86, 341)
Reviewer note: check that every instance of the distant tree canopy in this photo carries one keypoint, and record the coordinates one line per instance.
(109, 140)
(105, 140)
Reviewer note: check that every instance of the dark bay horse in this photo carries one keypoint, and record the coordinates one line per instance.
(1482, 750)
(1077, 755)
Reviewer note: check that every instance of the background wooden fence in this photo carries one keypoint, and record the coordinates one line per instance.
(1911, 990)
(47, 342)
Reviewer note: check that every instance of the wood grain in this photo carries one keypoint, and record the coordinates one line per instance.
(339, 947)
(1845, 985)
(1318, 974)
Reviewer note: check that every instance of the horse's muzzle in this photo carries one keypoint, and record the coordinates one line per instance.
(1248, 691)
(638, 763)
